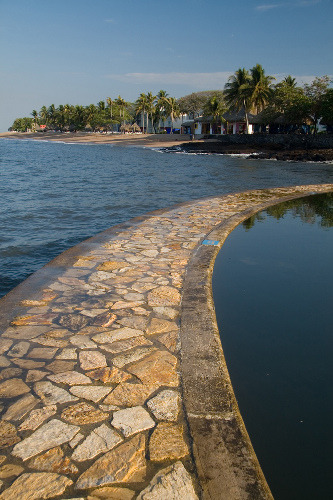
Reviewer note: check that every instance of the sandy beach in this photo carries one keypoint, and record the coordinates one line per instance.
(144, 140)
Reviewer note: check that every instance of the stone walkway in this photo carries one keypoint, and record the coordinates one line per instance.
(90, 379)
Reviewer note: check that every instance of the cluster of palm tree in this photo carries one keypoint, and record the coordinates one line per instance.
(249, 90)
(156, 108)
(292, 105)
(106, 115)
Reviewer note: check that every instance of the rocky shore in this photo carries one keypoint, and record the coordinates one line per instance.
(271, 151)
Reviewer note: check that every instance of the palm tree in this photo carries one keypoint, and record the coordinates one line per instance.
(51, 112)
(160, 106)
(110, 103)
(260, 87)
(60, 116)
(34, 114)
(67, 114)
(91, 112)
(215, 108)
(122, 106)
(43, 114)
(237, 92)
(141, 107)
(172, 109)
(290, 81)
(151, 108)
(101, 106)
(79, 117)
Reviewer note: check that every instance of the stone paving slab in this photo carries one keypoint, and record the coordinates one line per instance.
(107, 391)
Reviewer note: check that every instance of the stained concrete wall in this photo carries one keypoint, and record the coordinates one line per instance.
(281, 141)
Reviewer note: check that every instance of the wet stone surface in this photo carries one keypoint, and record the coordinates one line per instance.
(90, 361)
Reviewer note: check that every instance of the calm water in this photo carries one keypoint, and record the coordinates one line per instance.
(54, 195)
(273, 293)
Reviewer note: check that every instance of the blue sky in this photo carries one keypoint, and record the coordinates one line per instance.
(82, 51)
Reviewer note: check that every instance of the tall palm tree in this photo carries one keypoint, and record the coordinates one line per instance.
(151, 99)
(122, 106)
(110, 104)
(34, 114)
(43, 115)
(260, 87)
(237, 93)
(67, 114)
(60, 116)
(172, 109)
(160, 106)
(51, 112)
(141, 107)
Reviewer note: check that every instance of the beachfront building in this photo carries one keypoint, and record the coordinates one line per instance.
(163, 125)
(233, 123)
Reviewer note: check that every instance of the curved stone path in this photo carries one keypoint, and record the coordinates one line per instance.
(90, 358)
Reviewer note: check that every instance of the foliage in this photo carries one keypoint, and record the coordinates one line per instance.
(237, 92)
(249, 90)
(289, 103)
(316, 93)
(297, 106)
(215, 107)
(327, 108)
(260, 88)
(194, 103)
(22, 124)
(171, 108)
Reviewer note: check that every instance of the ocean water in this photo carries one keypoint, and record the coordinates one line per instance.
(273, 294)
(54, 195)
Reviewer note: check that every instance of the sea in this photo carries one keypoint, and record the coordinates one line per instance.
(54, 195)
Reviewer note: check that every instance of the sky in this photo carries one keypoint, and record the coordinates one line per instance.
(82, 51)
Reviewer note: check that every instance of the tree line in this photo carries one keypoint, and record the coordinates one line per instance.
(251, 90)
(106, 115)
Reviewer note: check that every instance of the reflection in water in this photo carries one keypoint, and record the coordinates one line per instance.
(313, 209)
(273, 296)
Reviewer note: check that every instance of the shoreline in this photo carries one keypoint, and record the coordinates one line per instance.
(143, 140)
(256, 152)
(182, 143)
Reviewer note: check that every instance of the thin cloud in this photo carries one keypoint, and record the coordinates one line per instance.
(306, 3)
(194, 81)
(198, 80)
(111, 21)
(300, 79)
(299, 3)
(269, 6)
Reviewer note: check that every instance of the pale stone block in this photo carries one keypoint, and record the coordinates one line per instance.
(100, 440)
(171, 483)
(132, 420)
(35, 486)
(48, 436)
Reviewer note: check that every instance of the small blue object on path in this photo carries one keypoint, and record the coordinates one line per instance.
(210, 242)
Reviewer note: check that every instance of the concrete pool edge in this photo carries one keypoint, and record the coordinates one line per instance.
(218, 432)
(223, 456)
